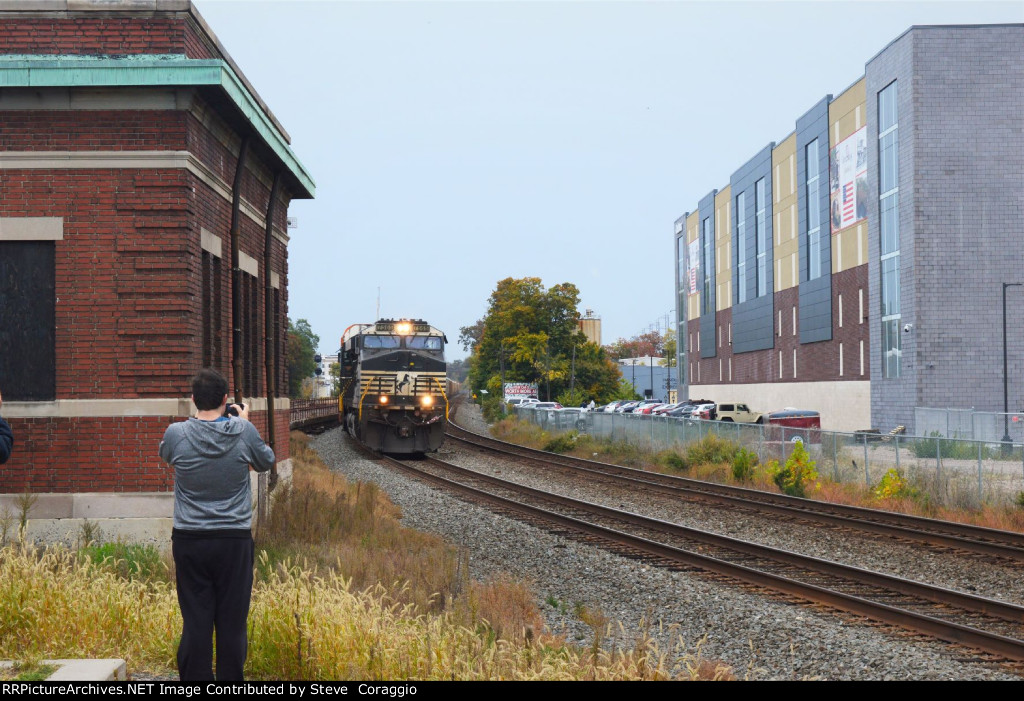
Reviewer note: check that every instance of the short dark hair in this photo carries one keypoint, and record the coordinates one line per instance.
(208, 389)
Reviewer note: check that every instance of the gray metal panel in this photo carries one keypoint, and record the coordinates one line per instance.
(752, 326)
(815, 295)
(679, 241)
(706, 209)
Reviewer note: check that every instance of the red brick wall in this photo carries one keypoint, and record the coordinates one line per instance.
(93, 130)
(110, 454)
(816, 362)
(107, 454)
(128, 319)
(93, 36)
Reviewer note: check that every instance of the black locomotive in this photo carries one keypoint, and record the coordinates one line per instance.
(393, 392)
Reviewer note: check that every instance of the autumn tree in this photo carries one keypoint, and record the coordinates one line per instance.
(642, 345)
(530, 334)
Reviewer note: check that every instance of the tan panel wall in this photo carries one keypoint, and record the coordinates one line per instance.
(692, 301)
(785, 216)
(844, 406)
(846, 114)
(723, 249)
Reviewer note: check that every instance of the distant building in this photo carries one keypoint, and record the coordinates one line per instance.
(590, 325)
(649, 378)
(324, 382)
(855, 267)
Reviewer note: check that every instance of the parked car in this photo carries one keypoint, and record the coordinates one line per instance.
(665, 408)
(546, 405)
(649, 409)
(521, 401)
(682, 411)
(626, 408)
(738, 413)
(704, 411)
(574, 414)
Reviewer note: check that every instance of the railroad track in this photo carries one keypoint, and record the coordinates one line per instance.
(992, 626)
(1005, 545)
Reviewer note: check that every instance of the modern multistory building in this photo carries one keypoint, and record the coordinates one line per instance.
(856, 266)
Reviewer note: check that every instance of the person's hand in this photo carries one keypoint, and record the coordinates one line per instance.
(242, 409)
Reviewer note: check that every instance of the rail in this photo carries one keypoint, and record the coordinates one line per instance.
(305, 412)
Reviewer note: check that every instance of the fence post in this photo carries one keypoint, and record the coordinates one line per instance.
(835, 456)
(938, 463)
(897, 437)
(760, 445)
(867, 476)
(979, 471)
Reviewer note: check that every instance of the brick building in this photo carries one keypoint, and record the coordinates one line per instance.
(856, 266)
(133, 155)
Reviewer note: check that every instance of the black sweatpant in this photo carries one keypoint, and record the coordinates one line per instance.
(214, 578)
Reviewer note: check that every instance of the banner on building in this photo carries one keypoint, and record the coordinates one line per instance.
(848, 180)
(693, 265)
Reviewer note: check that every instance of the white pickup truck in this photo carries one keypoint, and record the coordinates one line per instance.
(738, 413)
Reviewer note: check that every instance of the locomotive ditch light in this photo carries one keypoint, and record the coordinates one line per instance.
(383, 399)
(427, 401)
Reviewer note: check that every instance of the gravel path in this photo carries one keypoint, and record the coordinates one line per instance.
(758, 637)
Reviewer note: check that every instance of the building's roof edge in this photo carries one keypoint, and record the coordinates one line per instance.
(127, 8)
(142, 71)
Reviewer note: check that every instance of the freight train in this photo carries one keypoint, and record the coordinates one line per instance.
(394, 396)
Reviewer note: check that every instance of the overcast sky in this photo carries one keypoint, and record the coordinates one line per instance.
(454, 144)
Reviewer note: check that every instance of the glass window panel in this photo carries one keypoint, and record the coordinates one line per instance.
(382, 342)
(424, 342)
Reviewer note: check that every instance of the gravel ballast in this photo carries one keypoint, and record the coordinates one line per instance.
(759, 637)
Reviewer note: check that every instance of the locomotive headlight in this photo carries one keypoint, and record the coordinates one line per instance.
(427, 401)
(403, 329)
(383, 399)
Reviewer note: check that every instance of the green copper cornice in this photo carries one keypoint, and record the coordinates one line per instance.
(22, 71)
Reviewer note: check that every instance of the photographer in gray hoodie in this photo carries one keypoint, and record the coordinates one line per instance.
(212, 539)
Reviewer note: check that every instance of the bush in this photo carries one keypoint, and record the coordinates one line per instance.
(711, 449)
(673, 460)
(797, 474)
(894, 485)
(493, 408)
(949, 448)
(743, 464)
(562, 443)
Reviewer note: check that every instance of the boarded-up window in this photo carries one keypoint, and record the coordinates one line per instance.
(213, 303)
(28, 302)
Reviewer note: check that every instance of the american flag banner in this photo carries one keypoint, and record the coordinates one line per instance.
(849, 203)
(847, 166)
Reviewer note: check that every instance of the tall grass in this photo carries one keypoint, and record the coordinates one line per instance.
(343, 592)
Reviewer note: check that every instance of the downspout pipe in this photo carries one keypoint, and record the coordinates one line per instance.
(270, 331)
(236, 271)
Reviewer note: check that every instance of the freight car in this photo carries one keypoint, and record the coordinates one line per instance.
(393, 385)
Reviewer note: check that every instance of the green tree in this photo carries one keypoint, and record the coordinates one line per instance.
(302, 344)
(529, 335)
(335, 372)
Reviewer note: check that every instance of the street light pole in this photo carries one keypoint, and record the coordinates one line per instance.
(1006, 394)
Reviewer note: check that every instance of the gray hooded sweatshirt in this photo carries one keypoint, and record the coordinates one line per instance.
(211, 462)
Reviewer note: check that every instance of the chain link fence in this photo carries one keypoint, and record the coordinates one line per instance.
(990, 426)
(950, 471)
